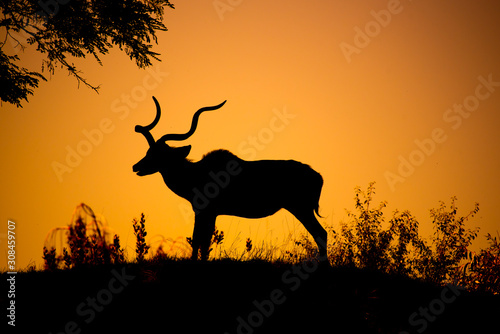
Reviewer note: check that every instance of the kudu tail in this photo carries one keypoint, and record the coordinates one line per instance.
(316, 209)
(317, 186)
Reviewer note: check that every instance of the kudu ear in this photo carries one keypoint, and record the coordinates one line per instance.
(183, 151)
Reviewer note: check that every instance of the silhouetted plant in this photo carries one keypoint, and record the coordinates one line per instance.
(482, 271)
(248, 245)
(398, 248)
(160, 255)
(66, 258)
(450, 243)
(406, 245)
(86, 249)
(116, 251)
(217, 239)
(79, 244)
(50, 260)
(31, 266)
(99, 250)
(370, 241)
(308, 249)
(141, 248)
(342, 250)
(87, 243)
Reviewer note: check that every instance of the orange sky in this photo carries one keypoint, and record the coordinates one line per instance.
(362, 83)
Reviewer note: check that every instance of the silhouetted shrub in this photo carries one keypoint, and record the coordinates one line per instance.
(482, 271)
(405, 245)
(86, 244)
(79, 244)
(395, 247)
(370, 241)
(363, 242)
(449, 243)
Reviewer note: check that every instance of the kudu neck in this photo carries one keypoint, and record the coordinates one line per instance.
(178, 176)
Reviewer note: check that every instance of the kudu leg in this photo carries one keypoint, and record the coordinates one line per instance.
(204, 226)
(316, 230)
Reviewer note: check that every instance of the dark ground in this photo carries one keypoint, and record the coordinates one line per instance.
(241, 297)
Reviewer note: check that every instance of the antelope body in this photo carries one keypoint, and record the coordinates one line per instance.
(223, 184)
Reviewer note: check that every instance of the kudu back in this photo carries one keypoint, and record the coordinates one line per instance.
(223, 184)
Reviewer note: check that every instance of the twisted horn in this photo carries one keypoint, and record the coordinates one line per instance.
(194, 123)
(145, 129)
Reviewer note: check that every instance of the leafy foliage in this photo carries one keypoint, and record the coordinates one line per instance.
(16, 82)
(365, 243)
(405, 244)
(482, 271)
(74, 29)
(451, 241)
(370, 242)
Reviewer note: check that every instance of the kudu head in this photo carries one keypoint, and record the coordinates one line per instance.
(159, 153)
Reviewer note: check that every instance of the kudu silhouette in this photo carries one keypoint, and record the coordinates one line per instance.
(223, 184)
